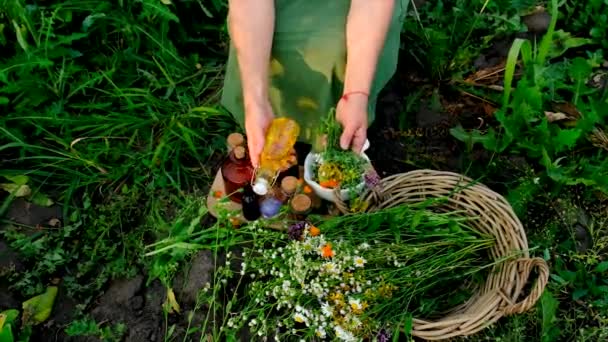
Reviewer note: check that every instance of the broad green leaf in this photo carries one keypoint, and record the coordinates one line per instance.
(549, 307)
(38, 309)
(41, 200)
(602, 267)
(16, 190)
(563, 41)
(19, 180)
(6, 332)
(6, 325)
(8, 316)
(4, 100)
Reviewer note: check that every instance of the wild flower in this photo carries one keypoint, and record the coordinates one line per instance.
(336, 286)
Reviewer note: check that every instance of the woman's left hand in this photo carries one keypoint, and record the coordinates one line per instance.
(351, 112)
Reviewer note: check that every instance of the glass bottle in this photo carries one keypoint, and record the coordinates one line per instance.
(250, 203)
(277, 153)
(237, 172)
(289, 185)
(300, 206)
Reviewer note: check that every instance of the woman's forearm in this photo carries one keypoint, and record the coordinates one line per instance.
(366, 28)
(251, 26)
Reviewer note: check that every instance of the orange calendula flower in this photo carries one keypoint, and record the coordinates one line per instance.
(314, 231)
(326, 251)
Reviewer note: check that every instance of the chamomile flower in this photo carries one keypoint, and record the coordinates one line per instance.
(326, 309)
(300, 318)
(330, 267)
(343, 334)
(359, 261)
(320, 332)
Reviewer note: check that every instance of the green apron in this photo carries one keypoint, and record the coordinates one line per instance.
(308, 63)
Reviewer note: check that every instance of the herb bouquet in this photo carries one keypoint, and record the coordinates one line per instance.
(360, 276)
(333, 167)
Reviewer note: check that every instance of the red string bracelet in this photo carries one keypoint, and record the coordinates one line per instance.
(346, 95)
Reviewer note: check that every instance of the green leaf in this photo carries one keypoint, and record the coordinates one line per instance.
(417, 218)
(18, 180)
(559, 279)
(41, 199)
(16, 190)
(4, 100)
(563, 41)
(566, 139)
(90, 20)
(549, 308)
(602, 267)
(6, 332)
(579, 293)
(8, 316)
(38, 309)
(6, 325)
(489, 140)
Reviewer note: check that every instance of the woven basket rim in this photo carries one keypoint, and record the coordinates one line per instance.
(501, 293)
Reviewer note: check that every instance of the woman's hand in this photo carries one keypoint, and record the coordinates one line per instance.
(351, 112)
(258, 116)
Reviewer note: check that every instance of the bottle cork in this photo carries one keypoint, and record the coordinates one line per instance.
(234, 140)
(301, 204)
(239, 152)
(289, 185)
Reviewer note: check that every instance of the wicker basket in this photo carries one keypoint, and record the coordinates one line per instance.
(502, 293)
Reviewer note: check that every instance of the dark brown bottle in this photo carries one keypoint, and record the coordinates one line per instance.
(237, 172)
(250, 203)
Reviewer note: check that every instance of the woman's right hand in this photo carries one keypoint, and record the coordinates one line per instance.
(258, 116)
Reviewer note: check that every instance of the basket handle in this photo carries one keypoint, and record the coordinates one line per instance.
(524, 267)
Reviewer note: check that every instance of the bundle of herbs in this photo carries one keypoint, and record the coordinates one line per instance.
(359, 276)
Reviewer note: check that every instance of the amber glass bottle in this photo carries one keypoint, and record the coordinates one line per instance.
(237, 172)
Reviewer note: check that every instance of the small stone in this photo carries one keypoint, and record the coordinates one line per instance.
(538, 22)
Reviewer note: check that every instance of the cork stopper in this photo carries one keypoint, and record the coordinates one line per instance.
(234, 140)
(239, 152)
(289, 184)
(301, 203)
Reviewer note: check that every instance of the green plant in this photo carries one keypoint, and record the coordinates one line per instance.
(89, 327)
(526, 124)
(446, 36)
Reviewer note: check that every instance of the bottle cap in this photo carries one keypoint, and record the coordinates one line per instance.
(235, 139)
(289, 184)
(301, 203)
(239, 152)
(261, 187)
